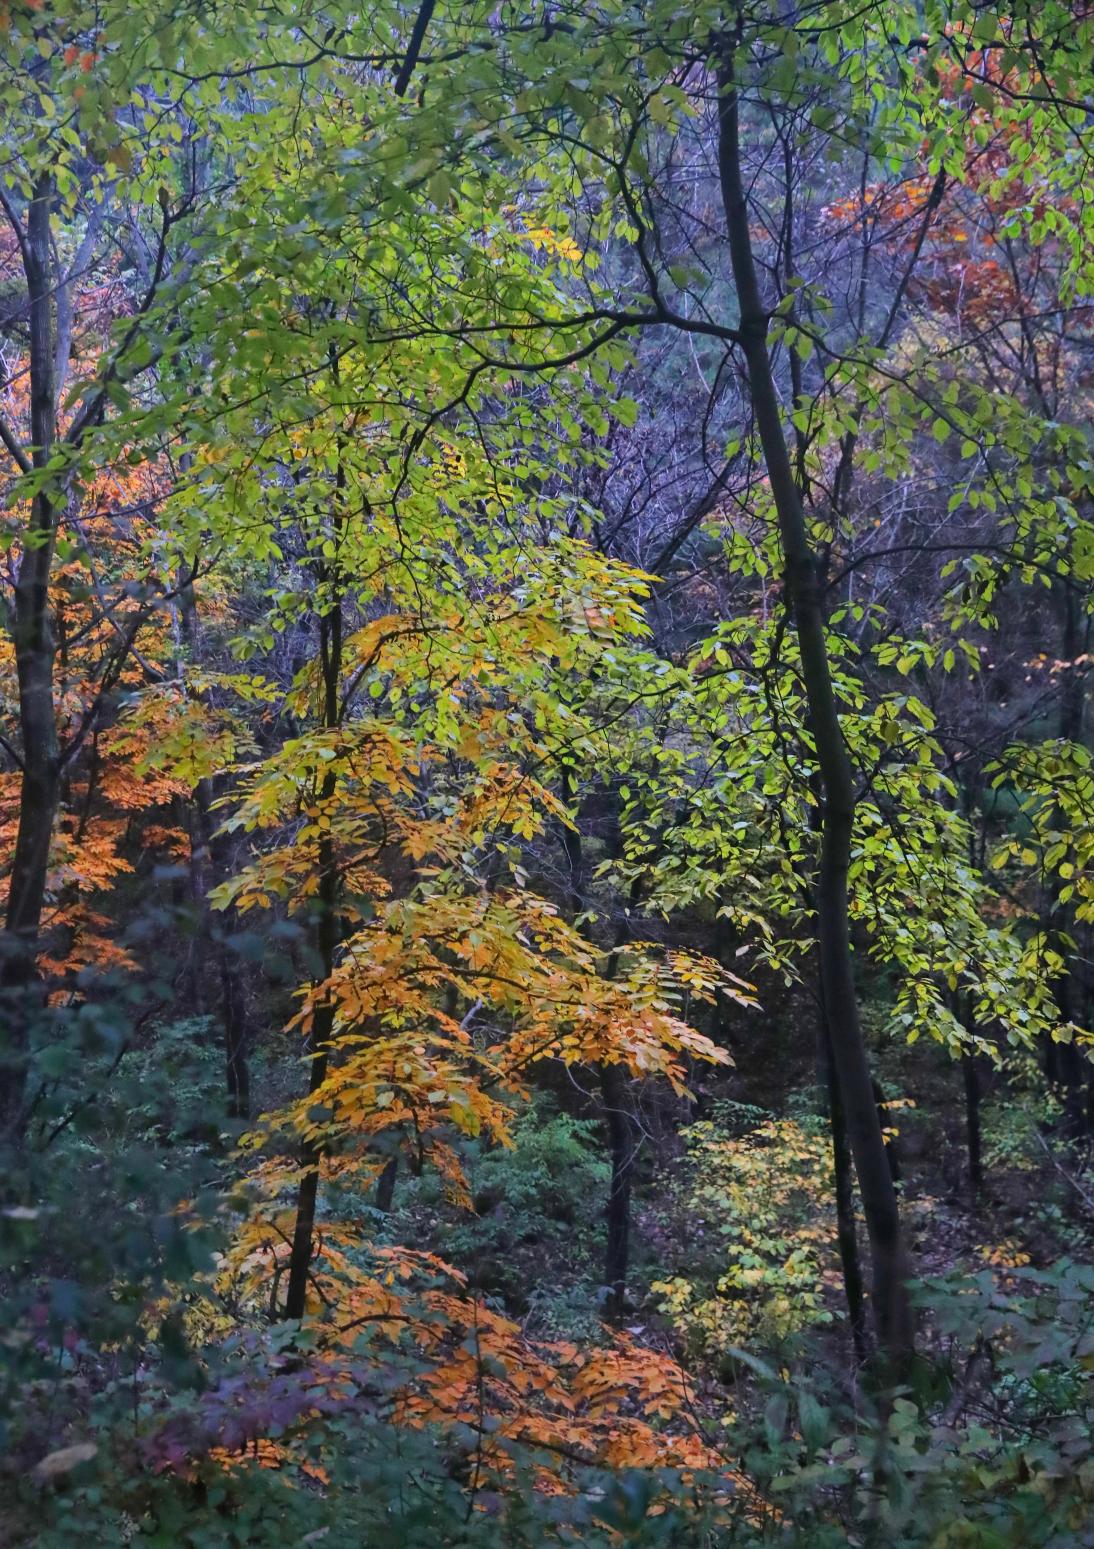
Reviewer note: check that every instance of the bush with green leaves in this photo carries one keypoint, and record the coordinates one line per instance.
(91, 1236)
(757, 1194)
(990, 1444)
(535, 1237)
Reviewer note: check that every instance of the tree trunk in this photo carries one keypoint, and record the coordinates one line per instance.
(622, 1147)
(892, 1307)
(1064, 1063)
(22, 1000)
(971, 1078)
(385, 1185)
(233, 1010)
(219, 931)
(326, 942)
(211, 865)
(613, 1091)
(622, 1140)
(846, 1235)
(317, 1046)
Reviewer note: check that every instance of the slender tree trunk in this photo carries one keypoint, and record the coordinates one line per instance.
(892, 1307)
(318, 1041)
(971, 1078)
(233, 1011)
(846, 1234)
(326, 942)
(212, 866)
(613, 1092)
(21, 1000)
(385, 1185)
(219, 928)
(622, 1141)
(962, 1008)
(1064, 1063)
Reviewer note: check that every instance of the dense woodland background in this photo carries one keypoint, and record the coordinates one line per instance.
(545, 773)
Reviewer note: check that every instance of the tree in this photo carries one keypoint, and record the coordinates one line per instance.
(64, 191)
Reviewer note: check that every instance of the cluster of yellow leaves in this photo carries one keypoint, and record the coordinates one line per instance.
(550, 242)
(762, 1203)
(173, 736)
(401, 1063)
(545, 239)
(1007, 1254)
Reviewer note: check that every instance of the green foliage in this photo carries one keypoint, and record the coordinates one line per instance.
(758, 1204)
(535, 1238)
(1015, 1116)
(990, 1447)
(167, 1090)
(374, 1486)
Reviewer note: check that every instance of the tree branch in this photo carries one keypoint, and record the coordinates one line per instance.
(417, 38)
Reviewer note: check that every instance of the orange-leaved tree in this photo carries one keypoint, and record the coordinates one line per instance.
(396, 825)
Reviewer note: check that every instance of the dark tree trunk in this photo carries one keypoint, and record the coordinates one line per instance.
(326, 942)
(211, 865)
(233, 1006)
(220, 928)
(971, 1078)
(613, 1091)
(21, 1000)
(846, 1234)
(385, 1185)
(962, 1008)
(1064, 1064)
(891, 1303)
(614, 1087)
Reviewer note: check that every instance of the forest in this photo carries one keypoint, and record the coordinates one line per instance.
(546, 780)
